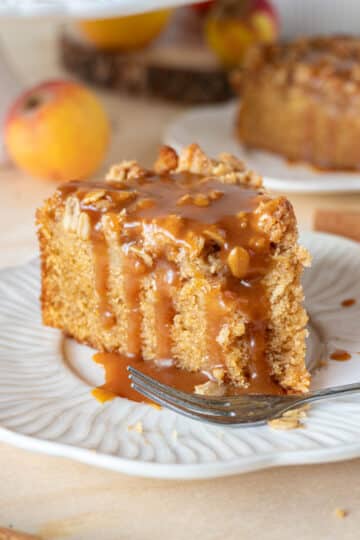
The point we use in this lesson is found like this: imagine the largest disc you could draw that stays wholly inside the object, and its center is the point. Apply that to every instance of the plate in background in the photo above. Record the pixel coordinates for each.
(46, 405)
(212, 127)
(86, 9)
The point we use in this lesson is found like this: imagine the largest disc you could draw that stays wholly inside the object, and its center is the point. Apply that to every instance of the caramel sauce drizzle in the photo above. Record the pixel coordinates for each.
(133, 270)
(100, 250)
(179, 208)
(215, 311)
(340, 355)
(348, 302)
(166, 277)
(117, 382)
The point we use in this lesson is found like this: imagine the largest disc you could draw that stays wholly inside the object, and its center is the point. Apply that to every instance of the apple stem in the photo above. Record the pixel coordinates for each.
(32, 103)
(233, 8)
(10, 87)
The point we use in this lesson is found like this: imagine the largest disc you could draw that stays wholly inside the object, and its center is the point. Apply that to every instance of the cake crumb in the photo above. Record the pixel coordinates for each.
(155, 406)
(284, 423)
(290, 419)
(219, 374)
(348, 302)
(174, 435)
(210, 388)
(138, 427)
(340, 513)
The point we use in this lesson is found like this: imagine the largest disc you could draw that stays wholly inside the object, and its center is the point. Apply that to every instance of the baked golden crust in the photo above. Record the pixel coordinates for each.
(227, 168)
(302, 100)
(192, 260)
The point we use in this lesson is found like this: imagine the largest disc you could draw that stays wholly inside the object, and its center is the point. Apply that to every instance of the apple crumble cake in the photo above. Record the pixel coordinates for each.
(191, 265)
(302, 100)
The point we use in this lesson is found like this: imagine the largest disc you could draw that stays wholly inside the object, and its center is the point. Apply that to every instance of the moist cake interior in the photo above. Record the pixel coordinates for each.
(190, 271)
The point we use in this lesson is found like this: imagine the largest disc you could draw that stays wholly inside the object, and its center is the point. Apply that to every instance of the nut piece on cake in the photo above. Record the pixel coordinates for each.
(192, 262)
(302, 100)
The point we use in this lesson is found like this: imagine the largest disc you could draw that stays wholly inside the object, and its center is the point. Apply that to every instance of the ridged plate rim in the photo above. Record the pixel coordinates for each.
(324, 443)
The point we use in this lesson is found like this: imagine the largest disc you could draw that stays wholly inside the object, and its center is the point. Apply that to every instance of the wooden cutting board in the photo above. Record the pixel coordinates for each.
(178, 67)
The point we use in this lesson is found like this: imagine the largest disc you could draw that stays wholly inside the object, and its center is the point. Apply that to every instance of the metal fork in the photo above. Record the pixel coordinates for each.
(243, 410)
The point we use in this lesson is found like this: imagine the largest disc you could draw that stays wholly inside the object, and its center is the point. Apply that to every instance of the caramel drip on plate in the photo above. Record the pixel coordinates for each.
(181, 213)
(348, 302)
(117, 382)
(340, 355)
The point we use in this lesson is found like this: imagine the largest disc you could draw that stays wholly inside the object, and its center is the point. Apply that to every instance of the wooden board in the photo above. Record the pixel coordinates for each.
(180, 72)
(338, 222)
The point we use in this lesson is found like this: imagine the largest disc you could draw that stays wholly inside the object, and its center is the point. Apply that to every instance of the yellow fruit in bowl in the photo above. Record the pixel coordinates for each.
(125, 33)
(57, 130)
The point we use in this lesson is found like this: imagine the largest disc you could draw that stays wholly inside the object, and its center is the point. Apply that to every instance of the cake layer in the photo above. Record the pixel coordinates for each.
(302, 100)
(192, 263)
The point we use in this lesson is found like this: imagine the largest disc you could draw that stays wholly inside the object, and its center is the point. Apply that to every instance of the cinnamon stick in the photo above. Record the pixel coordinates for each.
(338, 222)
(11, 534)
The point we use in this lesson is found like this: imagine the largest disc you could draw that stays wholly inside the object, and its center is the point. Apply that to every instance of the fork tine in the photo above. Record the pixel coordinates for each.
(236, 410)
(210, 402)
(179, 402)
(219, 420)
(214, 401)
(163, 402)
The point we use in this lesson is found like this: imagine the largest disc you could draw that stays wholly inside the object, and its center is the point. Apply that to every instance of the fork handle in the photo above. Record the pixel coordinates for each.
(330, 393)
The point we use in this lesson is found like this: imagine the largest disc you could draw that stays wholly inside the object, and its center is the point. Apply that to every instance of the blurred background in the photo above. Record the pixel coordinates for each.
(307, 17)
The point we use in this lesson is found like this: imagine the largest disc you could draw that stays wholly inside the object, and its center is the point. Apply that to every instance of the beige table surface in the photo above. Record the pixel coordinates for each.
(61, 499)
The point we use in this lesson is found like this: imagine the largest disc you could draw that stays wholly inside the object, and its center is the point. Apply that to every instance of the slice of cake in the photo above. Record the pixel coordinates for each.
(191, 263)
(302, 100)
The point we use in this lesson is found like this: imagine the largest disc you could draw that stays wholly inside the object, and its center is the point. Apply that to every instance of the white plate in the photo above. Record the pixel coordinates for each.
(213, 128)
(83, 8)
(46, 405)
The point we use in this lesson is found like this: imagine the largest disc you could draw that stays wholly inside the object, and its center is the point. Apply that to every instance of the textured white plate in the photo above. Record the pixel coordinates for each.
(213, 128)
(83, 8)
(45, 401)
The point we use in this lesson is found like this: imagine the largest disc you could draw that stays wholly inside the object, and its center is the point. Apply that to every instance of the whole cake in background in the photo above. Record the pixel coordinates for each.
(302, 100)
(191, 264)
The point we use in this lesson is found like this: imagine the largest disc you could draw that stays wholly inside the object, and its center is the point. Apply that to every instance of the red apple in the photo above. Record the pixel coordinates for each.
(232, 26)
(202, 7)
(57, 130)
